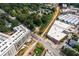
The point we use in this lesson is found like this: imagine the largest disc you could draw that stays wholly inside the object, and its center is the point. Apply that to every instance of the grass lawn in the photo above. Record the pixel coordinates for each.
(39, 49)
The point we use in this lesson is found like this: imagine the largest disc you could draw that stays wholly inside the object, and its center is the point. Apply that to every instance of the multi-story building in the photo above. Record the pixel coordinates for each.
(11, 44)
(57, 31)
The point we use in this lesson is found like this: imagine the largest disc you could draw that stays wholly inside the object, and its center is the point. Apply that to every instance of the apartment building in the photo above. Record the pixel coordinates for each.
(10, 44)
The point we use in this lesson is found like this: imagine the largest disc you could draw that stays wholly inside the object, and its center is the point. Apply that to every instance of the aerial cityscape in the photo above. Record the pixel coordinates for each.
(39, 29)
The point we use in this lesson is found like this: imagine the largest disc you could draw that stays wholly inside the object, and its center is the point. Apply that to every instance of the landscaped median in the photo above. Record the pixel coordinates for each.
(39, 50)
(32, 48)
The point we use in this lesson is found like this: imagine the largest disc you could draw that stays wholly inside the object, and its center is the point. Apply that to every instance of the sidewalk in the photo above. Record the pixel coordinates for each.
(53, 20)
(31, 48)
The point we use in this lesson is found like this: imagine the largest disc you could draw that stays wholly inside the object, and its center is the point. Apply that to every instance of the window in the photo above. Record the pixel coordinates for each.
(9, 53)
(0, 46)
(13, 40)
(0, 42)
(1, 39)
(17, 45)
(5, 47)
(5, 42)
(2, 50)
(10, 43)
(12, 36)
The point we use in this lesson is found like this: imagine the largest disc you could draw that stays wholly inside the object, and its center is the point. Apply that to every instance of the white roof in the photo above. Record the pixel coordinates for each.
(74, 20)
(3, 37)
(21, 31)
(57, 29)
(77, 22)
(70, 18)
(62, 24)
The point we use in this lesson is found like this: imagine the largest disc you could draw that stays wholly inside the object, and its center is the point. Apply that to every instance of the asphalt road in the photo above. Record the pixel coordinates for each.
(52, 21)
(53, 51)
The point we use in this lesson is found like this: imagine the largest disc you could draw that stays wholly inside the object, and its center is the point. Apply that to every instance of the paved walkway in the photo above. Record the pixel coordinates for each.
(53, 20)
(53, 51)
(31, 48)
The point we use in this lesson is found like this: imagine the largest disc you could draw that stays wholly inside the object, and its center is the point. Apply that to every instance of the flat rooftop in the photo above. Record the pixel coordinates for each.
(56, 31)
(6, 40)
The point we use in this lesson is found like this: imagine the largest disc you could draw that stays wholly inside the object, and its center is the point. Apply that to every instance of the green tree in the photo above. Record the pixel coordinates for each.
(76, 47)
(14, 23)
(4, 29)
(13, 13)
(69, 52)
(2, 22)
